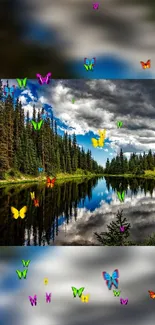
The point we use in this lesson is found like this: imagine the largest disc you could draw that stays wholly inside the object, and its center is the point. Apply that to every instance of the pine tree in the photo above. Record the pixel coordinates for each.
(114, 236)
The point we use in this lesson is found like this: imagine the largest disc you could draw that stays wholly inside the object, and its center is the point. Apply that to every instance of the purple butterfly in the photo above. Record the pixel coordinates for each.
(33, 300)
(124, 301)
(44, 80)
(122, 228)
(48, 297)
(95, 5)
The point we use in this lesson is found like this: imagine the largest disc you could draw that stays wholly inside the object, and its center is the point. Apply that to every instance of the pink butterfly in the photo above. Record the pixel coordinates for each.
(44, 80)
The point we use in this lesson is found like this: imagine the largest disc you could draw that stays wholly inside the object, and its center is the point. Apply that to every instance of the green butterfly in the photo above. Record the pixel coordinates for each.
(77, 292)
(21, 274)
(116, 293)
(121, 196)
(22, 82)
(26, 263)
(119, 124)
(37, 125)
(88, 67)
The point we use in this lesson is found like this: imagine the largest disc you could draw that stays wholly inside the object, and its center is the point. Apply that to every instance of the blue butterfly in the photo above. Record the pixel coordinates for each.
(9, 91)
(40, 169)
(89, 64)
(111, 280)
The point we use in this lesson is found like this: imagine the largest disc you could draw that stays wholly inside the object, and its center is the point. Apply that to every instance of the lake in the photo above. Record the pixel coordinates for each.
(71, 212)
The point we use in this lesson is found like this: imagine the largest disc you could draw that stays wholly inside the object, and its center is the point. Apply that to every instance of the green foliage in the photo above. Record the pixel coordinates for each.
(25, 149)
(136, 165)
(114, 237)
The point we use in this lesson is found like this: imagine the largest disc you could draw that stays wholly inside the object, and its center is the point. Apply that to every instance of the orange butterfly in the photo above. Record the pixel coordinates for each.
(152, 294)
(50, 182)
(36, 202)
(146, 65)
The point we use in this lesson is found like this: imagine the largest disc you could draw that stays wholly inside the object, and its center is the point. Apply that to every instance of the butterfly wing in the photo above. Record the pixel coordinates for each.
(24, 263)
(86, 67)
(80, 291)
(27, 263)
(108, 279)
(19, 82)
(48, 77)
(34, 124)
(148, 64)
(123, 195)
(24, 82)
(152, 294)
(36, 202)
(94, 142)
(75, 291)
(48, 180)
(15, 212)
(22, 212)
(40, 124)
(24, 273)
(115, 277)
(119, 196)
(53, 180)
(19, 273)
(143, 64)
(12, 89)
(40, 78)
(93, 61)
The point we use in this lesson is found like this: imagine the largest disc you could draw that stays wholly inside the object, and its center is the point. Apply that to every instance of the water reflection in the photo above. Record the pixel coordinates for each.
(71, 212)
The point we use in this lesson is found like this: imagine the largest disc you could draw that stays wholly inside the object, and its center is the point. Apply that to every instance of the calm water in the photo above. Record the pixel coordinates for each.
(71, 212)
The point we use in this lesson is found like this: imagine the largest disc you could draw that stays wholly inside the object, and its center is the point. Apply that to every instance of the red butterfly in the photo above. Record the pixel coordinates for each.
(152, 294)
(146, 65)
(36, 202)
(50, 182)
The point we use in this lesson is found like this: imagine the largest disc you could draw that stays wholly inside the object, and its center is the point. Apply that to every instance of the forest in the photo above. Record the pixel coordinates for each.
(136, 164)
(25, 149)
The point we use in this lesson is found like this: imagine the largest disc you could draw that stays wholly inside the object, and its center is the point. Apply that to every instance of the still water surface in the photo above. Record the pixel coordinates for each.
(71, 212)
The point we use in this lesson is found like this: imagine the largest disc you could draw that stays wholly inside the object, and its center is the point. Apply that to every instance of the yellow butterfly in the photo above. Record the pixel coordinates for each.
(32, 195)
(85, 298)
(99, 142)
(21, 213)
(45, 281)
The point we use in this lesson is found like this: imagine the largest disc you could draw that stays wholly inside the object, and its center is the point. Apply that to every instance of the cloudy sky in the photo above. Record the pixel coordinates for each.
(64, 269)
(52, 34)
(99, 104)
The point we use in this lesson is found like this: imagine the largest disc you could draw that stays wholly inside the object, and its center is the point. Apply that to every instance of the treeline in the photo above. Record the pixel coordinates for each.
(25, 149)
(137, 164)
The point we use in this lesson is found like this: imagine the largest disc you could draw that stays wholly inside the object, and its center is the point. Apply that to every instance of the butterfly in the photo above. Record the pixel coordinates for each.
(121, 196)
(111, 280)
(48, 297)
(22, 274)
(44, 80)
(99, 142)
(37, 125)
(45, 281)
(124, 301)
(22, 82)
(119, 124)
(85, 298)
(9, 91)
(50, 182)
(77, 291)
(146, 65)
(89, 64)
(116, 293)
(32, 195)
(40, 169)
(26, 263)
(21, 213)
(33, 300)
(122, 229)
(36, 202)
(95, 5)
(152, 294)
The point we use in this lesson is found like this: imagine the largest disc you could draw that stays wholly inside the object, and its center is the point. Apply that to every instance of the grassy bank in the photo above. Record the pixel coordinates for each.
(15, 177)
(148, 174)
